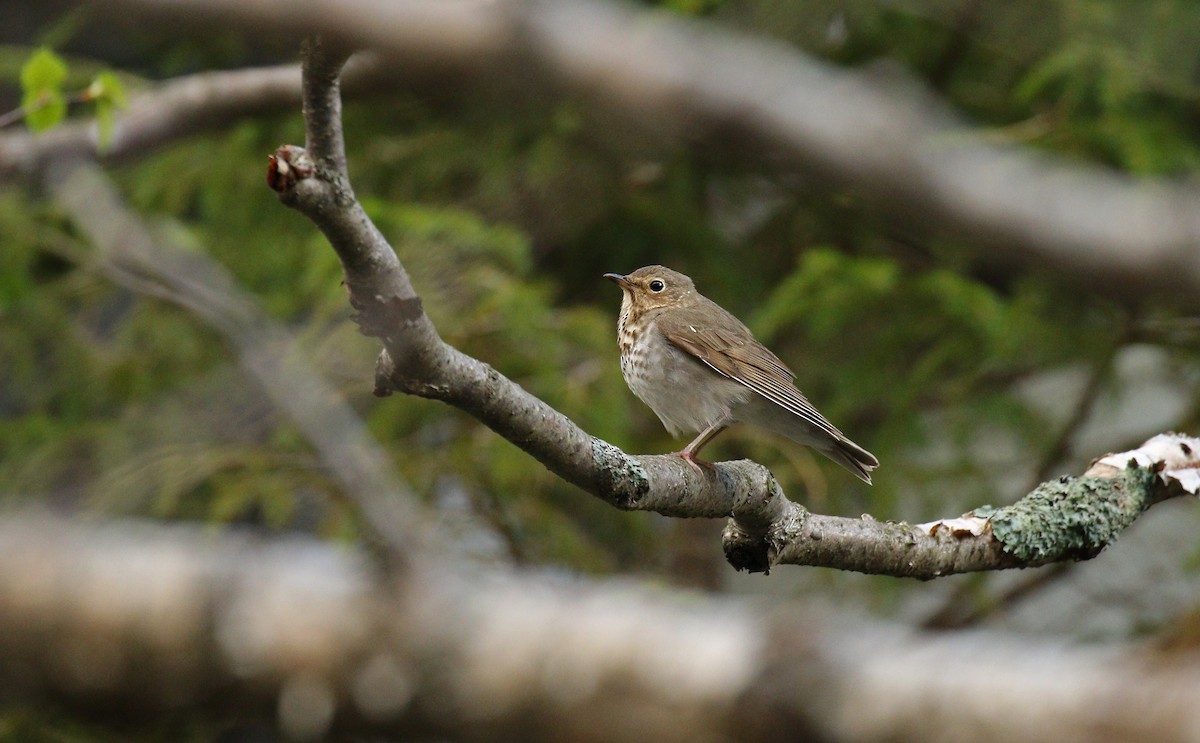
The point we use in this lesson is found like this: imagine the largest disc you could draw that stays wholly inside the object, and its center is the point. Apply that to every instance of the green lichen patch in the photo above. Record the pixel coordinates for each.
(1071, 518)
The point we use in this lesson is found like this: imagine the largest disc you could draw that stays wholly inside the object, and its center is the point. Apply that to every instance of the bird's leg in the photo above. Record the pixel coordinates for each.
(690, 452)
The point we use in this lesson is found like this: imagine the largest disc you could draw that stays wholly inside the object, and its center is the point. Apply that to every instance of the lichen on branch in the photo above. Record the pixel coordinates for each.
(1071, 519)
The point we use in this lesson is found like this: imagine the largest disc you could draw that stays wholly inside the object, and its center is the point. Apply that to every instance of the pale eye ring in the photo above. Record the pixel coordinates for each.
(657, 285)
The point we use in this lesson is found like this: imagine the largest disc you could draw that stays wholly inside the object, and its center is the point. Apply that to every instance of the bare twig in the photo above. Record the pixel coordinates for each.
(20, 113)
(963, 610)
(174, 110)
(1084, 404)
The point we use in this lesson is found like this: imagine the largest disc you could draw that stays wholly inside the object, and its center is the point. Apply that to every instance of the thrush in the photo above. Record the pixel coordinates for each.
(700, 369)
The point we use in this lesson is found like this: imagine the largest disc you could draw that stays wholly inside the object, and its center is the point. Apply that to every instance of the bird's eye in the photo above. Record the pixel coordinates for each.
(657, 286)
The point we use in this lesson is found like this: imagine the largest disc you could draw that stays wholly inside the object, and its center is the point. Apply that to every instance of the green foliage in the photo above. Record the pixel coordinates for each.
(1109, 81)
(42, 97)
(1107, 94)
(694, 7)
(506, 212)
(954, 345)
(108, 96)
(44, 101)
(46, 725)
(687, 7)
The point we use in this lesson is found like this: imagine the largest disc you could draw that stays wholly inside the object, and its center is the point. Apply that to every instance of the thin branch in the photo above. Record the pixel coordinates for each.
(888, 140)
(1084, 404)
(126, 252)
(174, 110)
(20, 113)
(766, 528)
(963, 610)
(322, 94)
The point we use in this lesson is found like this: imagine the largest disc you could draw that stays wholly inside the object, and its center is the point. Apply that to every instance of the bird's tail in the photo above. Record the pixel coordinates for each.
(853, 457)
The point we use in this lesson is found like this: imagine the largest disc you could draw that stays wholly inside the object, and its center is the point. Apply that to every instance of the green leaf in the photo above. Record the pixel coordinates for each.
(44, 71)
(108, 95)
(45, 110)
(107, 88)
(41, 84)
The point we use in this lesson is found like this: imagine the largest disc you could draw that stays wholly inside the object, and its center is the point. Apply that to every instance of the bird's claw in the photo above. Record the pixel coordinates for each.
(699, 465)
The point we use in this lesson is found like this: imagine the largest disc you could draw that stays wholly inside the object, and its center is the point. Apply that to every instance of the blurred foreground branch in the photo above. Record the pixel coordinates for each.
(131, 622)
(888, 140)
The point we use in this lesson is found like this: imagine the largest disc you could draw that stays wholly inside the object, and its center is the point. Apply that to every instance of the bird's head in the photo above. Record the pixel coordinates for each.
(652, 287)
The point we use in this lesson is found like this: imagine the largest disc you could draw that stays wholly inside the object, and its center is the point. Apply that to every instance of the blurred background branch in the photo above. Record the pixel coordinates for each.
(878, 134)
(177, 109)
(125, 252)
(993, 282)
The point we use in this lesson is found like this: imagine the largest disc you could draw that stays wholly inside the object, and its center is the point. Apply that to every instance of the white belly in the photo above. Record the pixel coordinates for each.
(685, 394)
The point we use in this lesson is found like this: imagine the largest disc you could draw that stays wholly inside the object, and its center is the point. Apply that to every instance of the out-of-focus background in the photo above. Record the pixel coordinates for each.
(972, 377)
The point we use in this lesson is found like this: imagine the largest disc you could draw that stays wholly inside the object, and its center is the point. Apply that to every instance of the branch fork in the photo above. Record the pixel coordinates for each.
(1070, 519)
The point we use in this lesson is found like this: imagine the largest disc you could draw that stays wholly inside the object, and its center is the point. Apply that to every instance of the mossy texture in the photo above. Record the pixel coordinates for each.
(1072, 517)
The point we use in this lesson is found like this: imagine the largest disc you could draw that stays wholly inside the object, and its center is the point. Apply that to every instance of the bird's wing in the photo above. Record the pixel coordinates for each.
(721, 341)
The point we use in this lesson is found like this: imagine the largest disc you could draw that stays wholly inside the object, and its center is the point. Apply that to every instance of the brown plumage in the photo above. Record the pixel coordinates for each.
(700, 369)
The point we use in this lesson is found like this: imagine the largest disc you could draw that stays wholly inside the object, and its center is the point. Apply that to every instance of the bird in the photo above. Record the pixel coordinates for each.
(700, 369)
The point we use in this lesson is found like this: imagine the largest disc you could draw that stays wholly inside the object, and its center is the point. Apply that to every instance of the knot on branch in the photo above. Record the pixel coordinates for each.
(746, 551)
(388, 379)
(763, 521)
(288, 166)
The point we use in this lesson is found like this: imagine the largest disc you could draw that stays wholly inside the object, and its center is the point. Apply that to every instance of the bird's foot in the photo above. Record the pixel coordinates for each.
(699, 465)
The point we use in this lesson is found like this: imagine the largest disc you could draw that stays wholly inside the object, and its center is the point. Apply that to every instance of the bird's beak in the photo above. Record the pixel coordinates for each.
(618, 279)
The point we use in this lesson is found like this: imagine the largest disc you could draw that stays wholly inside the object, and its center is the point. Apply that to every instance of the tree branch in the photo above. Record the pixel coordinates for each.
(132, 622)
(885, 139)
(176, 109)
(766, 528)
(127, 252)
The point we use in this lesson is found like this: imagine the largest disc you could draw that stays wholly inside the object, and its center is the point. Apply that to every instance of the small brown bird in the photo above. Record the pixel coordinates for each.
(700, 369)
